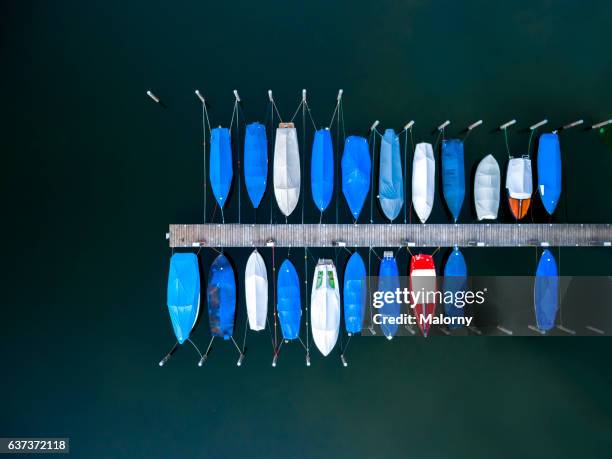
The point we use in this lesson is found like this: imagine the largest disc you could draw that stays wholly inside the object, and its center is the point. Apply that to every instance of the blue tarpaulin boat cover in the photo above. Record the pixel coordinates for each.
(356, 168)
(388, 281)
(390, 176)
(322, 169)
(354, 293)
(221, 171)
(221, 295)
(549, 171)
(289, 305)
(546, 291)
(453, 175)
(255, 162)
(455, 280)
(183, 294)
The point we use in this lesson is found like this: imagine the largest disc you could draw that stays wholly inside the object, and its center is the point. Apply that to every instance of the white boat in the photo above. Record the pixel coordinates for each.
(487, 183)
(423, 180)
(286, 168)
(256, 291)
(325, 306)
(519, 183)
(519, 180)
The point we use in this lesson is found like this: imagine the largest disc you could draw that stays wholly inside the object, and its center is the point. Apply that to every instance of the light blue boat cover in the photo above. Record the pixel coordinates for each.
(546, 291)
(354, 293)
(183, 293)
(221, 295)
(549, 171)
(289, 305)
(388, 281)
(453, 175)
(322, 169)
(390, 176)
(455, 280)
(221, 171)
(356, 168)
(255, 162)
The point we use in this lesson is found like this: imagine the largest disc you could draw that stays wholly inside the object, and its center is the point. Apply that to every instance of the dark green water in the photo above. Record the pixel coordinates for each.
(93, 173)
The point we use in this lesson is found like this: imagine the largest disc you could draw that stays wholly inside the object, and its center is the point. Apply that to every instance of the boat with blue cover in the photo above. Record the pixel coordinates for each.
(549, 171)
(322, 169)
(221, 296)
(455, 280)
(255, 162)
(453, 175)
(388, 281)
(356, 167)
(390, 176)
(354, 292)
(288, 303)
(221, 164)
(546, 291)
(183, 294)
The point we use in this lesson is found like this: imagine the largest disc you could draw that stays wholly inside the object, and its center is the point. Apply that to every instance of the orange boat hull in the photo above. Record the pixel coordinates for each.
(519, 207)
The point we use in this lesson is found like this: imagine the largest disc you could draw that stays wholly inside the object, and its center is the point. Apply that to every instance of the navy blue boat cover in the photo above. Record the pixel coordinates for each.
(221, 295)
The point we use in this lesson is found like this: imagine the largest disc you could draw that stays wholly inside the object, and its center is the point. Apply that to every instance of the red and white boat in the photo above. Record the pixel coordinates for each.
(423, 285)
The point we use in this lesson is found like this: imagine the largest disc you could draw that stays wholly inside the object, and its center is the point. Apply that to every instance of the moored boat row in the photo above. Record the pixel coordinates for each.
(328, 308)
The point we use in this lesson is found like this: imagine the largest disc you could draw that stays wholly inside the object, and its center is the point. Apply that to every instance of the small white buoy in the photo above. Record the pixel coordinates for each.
(344, 362)
(153, 96)
(240, 359)
(200, 96)
(537, 125)
(374, 124)
(389, 337)
(536, 329)
(340, 92)
(270, 95)
(409, 125)
(574, 124)
(308, 359)
(443, 125)
(566, 330)
(474, 125)
(202, 360)
(507, 125)
(602, 124)
(303, 95)
(274, 360)
(236, 95)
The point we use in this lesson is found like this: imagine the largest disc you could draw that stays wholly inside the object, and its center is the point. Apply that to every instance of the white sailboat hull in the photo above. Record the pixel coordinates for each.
(423, 180)
(256, 291)
(519, 179)
(325, 307)
(286, 170)
(487, 183)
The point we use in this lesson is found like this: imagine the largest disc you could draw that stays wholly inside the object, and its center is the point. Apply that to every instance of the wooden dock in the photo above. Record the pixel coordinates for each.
(391, 235)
